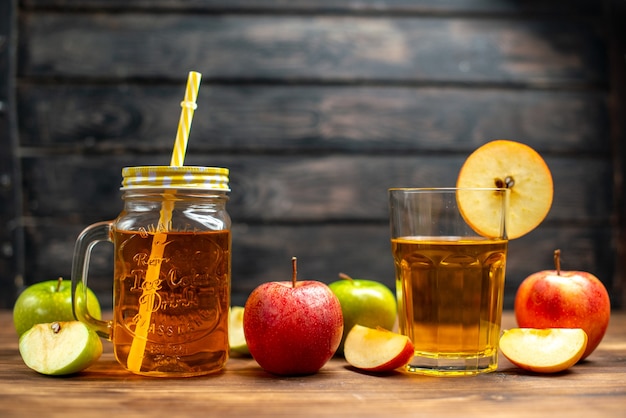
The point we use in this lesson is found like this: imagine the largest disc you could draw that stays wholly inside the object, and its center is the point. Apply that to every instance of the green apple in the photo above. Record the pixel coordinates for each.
(49, 301)
(364, 302)
(236, 337)
(60, 348)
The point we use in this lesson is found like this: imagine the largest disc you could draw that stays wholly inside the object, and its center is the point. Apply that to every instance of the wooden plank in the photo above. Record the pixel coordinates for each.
(143, 118)
(112, 46)
(263, 252)
(329, 6)
(294, 188)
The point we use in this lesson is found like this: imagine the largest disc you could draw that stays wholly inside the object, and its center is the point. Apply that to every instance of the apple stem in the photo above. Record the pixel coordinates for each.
(59, 282)
(557, 261)
(294, 269)
(345, 276)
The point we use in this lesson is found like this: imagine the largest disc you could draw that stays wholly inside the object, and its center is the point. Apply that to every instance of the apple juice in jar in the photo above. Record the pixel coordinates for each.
(451, 291)
(188, 328)
(172, 266)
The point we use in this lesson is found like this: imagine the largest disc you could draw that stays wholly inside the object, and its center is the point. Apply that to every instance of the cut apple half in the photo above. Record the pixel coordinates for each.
(547, 350)
(377, 349)
(236, 337)
(516, 166)
(60, 348)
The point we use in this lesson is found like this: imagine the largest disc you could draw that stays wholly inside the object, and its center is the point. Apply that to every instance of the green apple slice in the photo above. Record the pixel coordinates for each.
(60, 348)
(236, 337)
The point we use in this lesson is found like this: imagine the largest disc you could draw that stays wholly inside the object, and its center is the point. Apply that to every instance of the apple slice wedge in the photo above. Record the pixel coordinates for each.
(377, 349)
(546, 350)
(236, 337)
(60, 348)
(510, 164)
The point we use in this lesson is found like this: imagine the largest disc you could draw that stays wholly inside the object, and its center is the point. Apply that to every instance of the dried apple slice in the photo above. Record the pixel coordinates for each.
(547, 350)
(60, 348)
(504, 163)
(376, 349)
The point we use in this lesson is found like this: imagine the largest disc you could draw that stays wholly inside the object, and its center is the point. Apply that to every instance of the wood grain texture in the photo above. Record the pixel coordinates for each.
(326, 6)
(592, 388)
(278, 119)
(295, 49)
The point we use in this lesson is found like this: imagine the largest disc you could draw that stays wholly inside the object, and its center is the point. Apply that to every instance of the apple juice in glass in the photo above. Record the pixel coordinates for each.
(172, 266)
(449, 277)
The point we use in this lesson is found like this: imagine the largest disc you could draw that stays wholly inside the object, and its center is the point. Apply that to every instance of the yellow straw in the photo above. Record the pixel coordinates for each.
(152, 282)
(186, 115)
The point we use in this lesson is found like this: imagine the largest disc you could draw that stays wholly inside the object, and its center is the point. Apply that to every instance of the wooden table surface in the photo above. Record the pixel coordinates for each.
(595, 387)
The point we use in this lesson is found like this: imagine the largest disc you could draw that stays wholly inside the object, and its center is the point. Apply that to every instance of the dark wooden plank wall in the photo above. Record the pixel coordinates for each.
(10, 201)
(617, 99)
(317, 107)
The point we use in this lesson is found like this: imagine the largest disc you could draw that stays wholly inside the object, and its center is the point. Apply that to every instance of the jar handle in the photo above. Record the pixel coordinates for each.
(85, 242)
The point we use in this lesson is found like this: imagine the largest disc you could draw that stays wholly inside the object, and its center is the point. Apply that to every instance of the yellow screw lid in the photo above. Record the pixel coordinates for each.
(173, 177)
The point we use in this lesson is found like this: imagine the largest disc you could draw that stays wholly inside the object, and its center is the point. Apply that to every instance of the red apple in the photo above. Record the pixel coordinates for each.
(377, 349)
(564, 299)
(292, 328)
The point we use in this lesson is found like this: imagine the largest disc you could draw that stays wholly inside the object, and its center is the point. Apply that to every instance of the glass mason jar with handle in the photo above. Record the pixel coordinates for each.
(172, 267)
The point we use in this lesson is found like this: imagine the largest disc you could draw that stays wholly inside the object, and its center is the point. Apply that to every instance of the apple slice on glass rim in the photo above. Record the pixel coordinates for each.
(516, 166)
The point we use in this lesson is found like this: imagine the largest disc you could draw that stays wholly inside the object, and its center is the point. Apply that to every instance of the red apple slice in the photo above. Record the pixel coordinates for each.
(377, 350)
(547, 350)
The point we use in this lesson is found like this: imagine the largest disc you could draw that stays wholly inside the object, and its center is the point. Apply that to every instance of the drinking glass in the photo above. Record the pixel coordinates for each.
(450, 276)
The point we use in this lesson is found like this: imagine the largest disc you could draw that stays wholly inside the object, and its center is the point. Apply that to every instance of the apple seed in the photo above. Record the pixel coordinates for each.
(508, 182)
(56, 327)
